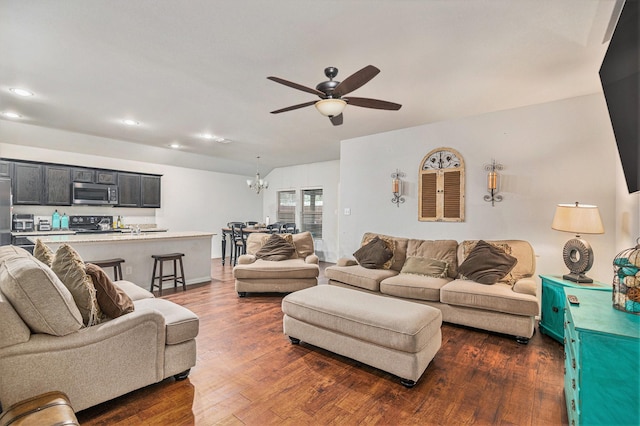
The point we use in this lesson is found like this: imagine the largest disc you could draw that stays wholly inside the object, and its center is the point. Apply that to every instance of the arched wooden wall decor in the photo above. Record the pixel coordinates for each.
(441, 186)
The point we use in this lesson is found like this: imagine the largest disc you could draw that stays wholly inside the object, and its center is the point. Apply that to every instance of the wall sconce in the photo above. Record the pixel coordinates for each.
(492, 182)
(397, 187)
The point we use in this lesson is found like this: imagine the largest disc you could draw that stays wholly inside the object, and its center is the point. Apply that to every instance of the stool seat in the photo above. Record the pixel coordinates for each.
(159, 259)
(108, 263)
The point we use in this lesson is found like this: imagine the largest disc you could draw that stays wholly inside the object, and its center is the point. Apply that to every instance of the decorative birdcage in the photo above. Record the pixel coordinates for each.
(626, 280)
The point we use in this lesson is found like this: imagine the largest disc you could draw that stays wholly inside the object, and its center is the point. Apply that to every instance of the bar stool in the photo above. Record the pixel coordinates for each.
(115, 263)
(161, 258)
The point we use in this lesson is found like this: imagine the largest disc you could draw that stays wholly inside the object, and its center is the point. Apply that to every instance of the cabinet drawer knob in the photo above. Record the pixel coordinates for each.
(555, 309)
(573, 405)
(573, 383)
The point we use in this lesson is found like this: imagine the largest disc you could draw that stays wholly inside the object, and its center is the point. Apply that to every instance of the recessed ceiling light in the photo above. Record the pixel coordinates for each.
(130, 122)
(208, 136)
(11, 115)
(175, 145)
(21, 92)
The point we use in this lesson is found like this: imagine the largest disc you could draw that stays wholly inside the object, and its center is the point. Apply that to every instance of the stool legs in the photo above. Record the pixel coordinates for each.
(161, 277)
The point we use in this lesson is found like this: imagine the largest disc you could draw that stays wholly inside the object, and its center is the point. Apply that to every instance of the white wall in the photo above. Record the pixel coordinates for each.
(325, 175)
(192, 200)
(558, 152)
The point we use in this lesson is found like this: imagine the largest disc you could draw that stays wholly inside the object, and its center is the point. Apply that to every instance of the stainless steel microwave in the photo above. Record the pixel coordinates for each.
(94, 194)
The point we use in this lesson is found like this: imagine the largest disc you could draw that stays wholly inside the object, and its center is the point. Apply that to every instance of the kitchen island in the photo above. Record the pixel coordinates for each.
(136, 250)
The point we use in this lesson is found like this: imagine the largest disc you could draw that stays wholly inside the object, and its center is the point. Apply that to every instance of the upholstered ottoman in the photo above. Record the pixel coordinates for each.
(396, 336)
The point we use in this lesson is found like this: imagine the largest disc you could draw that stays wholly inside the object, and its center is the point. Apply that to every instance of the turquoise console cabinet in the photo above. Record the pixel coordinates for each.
(553, 303)
(602, 361)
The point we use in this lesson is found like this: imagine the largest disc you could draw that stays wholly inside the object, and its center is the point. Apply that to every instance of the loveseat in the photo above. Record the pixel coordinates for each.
(276, 271)
(508, 306)
(45, 345)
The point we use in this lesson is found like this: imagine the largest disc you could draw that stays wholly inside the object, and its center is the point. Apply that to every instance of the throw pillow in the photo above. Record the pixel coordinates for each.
(468, 245)
(112, 300)
(287, 237)
(38, 296)
(43, 253)
(275, 249)
(69, 267)
(374, 254)
(424, 266)
(487, 264)
(388, 241)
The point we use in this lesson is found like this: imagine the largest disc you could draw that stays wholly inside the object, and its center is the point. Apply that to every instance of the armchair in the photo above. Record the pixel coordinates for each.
(253, 275)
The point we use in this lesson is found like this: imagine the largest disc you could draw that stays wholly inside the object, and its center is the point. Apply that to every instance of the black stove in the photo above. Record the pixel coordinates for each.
(90, 224)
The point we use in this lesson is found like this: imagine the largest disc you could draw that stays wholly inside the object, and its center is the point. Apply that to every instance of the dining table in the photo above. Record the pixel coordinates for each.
(226, 231)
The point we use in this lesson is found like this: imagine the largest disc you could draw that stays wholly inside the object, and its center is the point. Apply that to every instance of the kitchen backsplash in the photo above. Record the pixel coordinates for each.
(128, 215)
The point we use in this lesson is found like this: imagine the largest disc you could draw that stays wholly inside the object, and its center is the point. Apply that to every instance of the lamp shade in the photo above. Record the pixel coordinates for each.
(577, 219)
(331, 107)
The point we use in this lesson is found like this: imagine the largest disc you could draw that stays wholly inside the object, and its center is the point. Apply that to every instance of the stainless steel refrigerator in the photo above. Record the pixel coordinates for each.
(5, 212)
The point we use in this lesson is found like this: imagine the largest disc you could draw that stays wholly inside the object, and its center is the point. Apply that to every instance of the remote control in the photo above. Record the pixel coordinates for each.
(573, 299)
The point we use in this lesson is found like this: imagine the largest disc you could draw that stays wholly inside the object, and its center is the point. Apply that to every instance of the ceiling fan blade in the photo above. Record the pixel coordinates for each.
(355, 80)
(373, 103)
(336, 120)
(292, 107)
(297, 86)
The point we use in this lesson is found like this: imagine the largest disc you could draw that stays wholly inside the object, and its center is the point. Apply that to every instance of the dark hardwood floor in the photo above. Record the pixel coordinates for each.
(248, 373)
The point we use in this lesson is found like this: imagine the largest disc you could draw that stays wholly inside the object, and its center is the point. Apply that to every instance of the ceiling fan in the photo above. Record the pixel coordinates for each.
(331, 93)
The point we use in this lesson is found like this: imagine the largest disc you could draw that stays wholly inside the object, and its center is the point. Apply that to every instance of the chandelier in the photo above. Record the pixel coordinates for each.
(257, 184)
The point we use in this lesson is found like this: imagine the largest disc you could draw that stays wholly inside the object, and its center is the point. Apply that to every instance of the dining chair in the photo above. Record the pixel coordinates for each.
(275, 227)
(238, 242)
(289, 228)
(251, 223)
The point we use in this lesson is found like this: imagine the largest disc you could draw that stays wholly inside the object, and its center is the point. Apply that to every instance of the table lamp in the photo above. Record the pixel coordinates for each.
(577, 253)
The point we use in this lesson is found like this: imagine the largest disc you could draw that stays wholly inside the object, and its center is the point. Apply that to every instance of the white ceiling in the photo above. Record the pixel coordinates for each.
(183, 68)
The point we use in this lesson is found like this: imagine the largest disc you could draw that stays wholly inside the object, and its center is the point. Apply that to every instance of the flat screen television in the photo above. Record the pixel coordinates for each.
(620, 77)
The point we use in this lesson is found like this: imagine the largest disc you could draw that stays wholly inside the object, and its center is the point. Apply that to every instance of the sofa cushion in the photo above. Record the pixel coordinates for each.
(181, 324)
(13, 329)
(69, 267)
(499, 297)
(289, 268)
(444, 250)
(487, 264)
(425, 266)
(43, 253)
(39, 297)
(113, 301)
(412, 286)
(358, 276)
(276, 248)
(134, 291)
(374, 254)
(304, 244)
(399, 249)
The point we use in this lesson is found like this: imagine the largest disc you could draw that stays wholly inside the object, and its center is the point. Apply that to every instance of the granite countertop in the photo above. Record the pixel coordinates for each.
(31, 233)
(116, 237)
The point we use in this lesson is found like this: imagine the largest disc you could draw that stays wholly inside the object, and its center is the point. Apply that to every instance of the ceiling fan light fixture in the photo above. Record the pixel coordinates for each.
(330, 107)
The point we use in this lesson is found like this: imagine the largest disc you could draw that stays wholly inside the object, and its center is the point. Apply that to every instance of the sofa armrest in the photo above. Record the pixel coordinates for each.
(526, 286)
(346, 262)
(312, 258)
(246, 259)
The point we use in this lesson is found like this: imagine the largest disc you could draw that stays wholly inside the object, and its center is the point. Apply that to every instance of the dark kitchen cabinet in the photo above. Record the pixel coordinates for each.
(128, 190)
(107, 177)
(57, 185)
(26, 183)
(150, 186)
(83, 175)
(5, 169)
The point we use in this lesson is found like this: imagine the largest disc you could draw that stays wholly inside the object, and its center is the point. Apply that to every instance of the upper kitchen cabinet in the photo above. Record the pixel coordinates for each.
(83, 175)
(128, 190)
(57, 185)
(5, 168)
(108, 177)
(150, 186)
(27, 183)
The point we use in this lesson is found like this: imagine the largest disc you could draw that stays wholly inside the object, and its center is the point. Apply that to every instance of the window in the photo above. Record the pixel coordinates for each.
(442, 186)
(286, 206)
(311, 215)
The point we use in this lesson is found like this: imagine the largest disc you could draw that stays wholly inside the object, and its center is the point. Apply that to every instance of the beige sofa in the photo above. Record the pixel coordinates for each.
(509, 306)
(253, 275)
(44, 345)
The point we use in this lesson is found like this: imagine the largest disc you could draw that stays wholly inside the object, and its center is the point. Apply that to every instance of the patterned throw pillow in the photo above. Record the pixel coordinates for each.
(69, 267)
(275, 249)
(467, 246)
(43, 253)
(389, 242)
(487, 264)
(374, 254)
